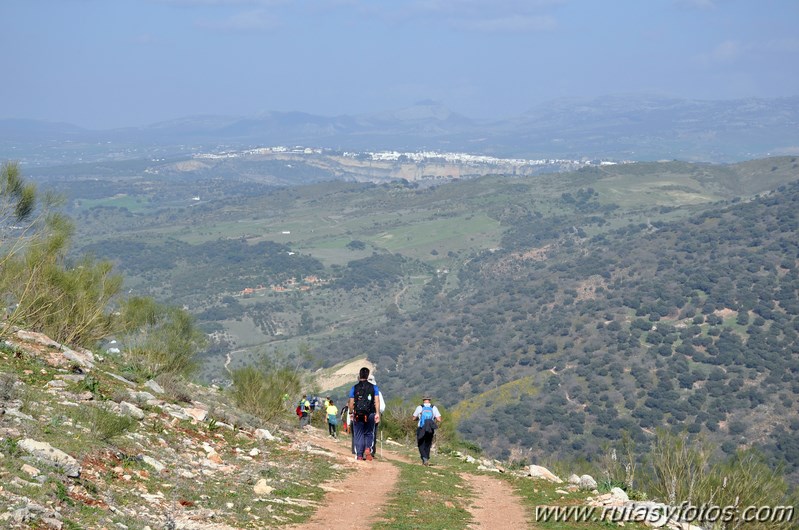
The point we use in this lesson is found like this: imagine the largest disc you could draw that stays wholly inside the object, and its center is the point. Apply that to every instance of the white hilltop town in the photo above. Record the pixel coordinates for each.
(410, 157)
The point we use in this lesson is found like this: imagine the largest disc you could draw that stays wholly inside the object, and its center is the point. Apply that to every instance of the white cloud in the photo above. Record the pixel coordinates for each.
(480, 8)
(697, 4)
(254, 20)
(464, 15)
(145, 39)
(785, 45)
(471, 15)
(731, 51)
(203, 3)
(724, 53)
(508, 23)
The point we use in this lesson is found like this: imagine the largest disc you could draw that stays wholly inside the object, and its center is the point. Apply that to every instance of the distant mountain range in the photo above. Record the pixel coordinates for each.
(634, 127)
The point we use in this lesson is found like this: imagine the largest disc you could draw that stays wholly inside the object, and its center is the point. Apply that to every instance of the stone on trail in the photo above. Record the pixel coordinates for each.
(543, 473)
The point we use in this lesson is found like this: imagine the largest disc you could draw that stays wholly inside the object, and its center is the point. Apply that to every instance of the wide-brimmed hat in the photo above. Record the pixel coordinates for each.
(371, 379)
(427, 398)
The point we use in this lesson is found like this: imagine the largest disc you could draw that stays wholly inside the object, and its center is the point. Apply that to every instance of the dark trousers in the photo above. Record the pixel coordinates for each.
(374, 438)
(331, 428)
(425, 443)
(363, 433)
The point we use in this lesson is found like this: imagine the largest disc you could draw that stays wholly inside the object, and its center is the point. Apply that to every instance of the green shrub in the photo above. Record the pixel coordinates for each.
(681, 470)
(745, 479)
(604, 486)
(11, 349)
(10, 447)
(397, 421)
(471, 447)
(60, 492)
(175, 388)
(105, 425)
(618, 466)
(91, 384)
(677, 467)
(564, 466)
(119, 395)
(259, 390)
(159, 339)
(69, 304)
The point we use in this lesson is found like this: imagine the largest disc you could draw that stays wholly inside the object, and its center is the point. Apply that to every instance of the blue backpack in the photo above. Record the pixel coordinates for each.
(426, 414)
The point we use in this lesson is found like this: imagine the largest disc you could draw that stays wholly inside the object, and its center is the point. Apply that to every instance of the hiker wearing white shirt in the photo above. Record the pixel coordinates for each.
(382, 408)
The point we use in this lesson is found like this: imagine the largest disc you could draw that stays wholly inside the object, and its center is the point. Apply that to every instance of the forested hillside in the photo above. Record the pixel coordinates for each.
(551, 313)
(559, 343)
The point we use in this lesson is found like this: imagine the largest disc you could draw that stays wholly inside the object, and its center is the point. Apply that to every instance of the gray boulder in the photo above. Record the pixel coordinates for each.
(155, 387)
(587, 482)
(263, 434)
(48, 454)
(543, 473)
(129, 409)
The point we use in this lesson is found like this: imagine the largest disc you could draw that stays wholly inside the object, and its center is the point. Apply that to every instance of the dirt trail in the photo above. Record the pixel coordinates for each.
(342, 507)
(495, 505)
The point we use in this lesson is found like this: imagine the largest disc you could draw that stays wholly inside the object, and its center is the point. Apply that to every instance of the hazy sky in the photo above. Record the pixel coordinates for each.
(111, 63)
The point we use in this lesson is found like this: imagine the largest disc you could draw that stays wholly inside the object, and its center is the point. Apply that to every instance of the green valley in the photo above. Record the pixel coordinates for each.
(615, 298)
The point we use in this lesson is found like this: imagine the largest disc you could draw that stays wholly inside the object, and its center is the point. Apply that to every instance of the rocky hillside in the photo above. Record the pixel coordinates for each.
(81, 446)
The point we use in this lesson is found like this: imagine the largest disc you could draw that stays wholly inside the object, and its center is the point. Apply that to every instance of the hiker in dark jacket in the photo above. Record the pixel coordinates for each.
(429, 418)
(364, 406)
